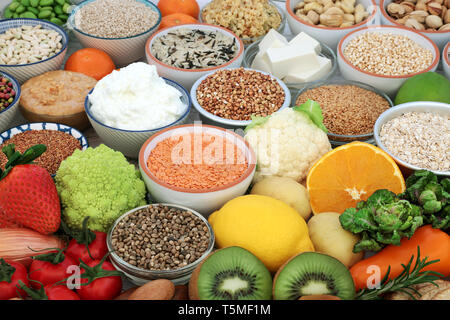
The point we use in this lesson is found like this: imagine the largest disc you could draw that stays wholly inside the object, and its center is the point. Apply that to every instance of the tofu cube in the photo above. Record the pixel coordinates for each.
(303, 39)
(291, 59)
(273, 39)
(260, 62)
(311, 75)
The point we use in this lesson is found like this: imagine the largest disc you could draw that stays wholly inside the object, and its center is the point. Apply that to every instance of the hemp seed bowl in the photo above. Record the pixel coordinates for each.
(187, 52)
(118, 27)
(159, 241)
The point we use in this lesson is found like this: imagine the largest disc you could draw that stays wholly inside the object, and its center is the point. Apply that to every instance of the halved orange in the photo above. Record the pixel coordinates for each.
(349, 174)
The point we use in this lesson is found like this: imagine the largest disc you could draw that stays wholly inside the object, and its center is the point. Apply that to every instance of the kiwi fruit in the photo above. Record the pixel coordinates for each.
(313, 273)
(232, 273)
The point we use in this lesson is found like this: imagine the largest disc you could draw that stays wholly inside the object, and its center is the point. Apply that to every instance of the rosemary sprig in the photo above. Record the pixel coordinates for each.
(404, 281)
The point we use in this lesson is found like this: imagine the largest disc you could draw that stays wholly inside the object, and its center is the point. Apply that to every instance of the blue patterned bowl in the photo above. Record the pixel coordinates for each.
(8, 134)
(23, 72)
(122, 51)
(8, 114)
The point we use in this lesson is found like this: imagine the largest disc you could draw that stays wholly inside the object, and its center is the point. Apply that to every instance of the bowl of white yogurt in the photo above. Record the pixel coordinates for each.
(128, 106)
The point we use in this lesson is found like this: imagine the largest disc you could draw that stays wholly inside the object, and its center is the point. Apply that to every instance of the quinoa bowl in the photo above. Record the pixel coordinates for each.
(206, 113)
(393, 127)
(198, 192)
(359, 60)
(24, 71)
(188, 74)
(123, 43)
(148, 267)
(130, 141)
(349, 108)
(7, 114)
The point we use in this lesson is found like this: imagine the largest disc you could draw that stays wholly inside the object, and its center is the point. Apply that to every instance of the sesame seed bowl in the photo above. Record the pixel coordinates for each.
(140, 273)
(367, 55)
(97, 25)
(424, 145)
(254, 89)
(186, 76)
(347, 106)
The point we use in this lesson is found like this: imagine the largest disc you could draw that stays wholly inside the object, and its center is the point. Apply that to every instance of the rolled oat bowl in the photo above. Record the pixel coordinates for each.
(405, 133)
(386, 56)
(143, 249)
(118, 27)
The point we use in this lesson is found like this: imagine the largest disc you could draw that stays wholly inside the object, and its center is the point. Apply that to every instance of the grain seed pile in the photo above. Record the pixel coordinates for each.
(160, 238)
(115, 18)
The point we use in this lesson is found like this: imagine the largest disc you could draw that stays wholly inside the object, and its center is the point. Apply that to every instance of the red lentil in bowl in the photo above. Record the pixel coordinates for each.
(350, 109)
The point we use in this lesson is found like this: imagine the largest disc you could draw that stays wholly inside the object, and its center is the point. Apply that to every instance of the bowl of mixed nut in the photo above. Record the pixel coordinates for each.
(30, 47)
(405, 133)
(385, 56)
(187, 52)
(230, 98)
(118, 27)
(159, 241)
(9, 99)
(329, 20)
(429, 17)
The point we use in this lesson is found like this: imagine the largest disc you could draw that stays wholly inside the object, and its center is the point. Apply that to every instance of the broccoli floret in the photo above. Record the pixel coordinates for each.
(99, 183)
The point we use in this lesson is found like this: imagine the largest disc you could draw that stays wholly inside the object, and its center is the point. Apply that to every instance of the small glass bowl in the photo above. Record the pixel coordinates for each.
(139, 276)
(249, 41)
(340, 139)
(252, 50)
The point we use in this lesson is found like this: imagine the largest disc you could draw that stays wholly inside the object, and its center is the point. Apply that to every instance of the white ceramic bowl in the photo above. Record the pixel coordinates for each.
(187, 77)
(203, 201)
(129, 142)
(398, 110)
(23, 72)
(446, 61)
(387, 84)
(8, 114)
(209, 118)
(439, 37)
(327, 35)
(122, 51)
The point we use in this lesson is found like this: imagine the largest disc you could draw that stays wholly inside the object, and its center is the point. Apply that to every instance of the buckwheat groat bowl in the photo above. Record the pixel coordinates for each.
(118, 27)
(405, 133)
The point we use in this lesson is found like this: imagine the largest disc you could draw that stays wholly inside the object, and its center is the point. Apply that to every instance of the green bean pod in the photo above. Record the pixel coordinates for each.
(34, 3)
(13, 6)
(44, 14)
(66, 8)
(34, 10)
(20, 9)
(25, 3)
(44, 3)
(58, 9)
(63, 17)
(28, 14)
(60, 2)
(8, 13)
(57, 21)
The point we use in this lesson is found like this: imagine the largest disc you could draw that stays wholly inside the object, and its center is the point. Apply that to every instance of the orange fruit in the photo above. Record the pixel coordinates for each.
(349, 174)
(189, 7)
(91, 62)
(176, 19)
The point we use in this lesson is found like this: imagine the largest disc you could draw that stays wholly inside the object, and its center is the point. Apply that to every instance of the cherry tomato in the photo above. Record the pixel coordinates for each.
(60, 292)
(97, 248)
(10, 274)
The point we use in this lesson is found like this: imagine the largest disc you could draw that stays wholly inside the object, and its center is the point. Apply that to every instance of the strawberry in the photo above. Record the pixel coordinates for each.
(28, 196)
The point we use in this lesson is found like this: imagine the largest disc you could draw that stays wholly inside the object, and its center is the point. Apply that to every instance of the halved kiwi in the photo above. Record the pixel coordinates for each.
(313, 273)
(232, 273)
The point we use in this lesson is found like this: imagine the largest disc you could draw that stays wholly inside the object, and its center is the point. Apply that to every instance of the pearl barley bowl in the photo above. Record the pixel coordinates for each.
(120, 30)
(187, 75)
(384, 56)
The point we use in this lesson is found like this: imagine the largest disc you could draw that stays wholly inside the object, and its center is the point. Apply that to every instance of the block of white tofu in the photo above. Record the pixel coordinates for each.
(303, 39)
(311, 75)
(260, 62)
(273, 39)
(291, 59)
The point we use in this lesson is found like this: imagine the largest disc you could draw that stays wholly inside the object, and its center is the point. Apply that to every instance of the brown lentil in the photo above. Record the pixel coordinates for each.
(160, 238)
(238, 93)
(419, 138)
(59, 144)
(387, 54)
(115, 18)
(347, 109)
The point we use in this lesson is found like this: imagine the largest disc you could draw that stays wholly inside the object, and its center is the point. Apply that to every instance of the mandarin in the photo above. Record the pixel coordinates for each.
(91, 62)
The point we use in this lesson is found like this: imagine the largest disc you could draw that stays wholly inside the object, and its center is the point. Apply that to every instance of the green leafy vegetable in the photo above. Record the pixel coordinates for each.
(424, 189)
(256, 121)
(314, 112)
(381, 220)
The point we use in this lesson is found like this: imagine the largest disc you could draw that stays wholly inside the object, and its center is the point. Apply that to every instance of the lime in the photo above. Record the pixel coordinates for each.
(428, 86)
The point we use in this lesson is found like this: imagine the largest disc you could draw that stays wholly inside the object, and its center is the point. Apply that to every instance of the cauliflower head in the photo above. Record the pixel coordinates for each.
(287, 144)
(99, 183)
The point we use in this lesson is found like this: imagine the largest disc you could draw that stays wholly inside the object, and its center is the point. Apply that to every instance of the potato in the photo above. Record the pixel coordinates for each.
(287, 190)
(330, 238)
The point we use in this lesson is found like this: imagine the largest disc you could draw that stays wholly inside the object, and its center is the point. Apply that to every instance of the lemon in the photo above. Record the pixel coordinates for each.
(269, 228)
